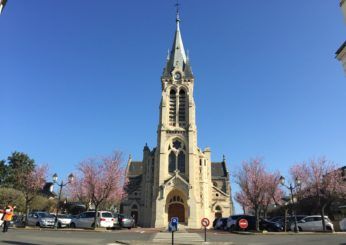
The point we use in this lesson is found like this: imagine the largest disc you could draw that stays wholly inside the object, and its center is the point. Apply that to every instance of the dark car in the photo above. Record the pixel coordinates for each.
(270, 226)
(263, 224)
(124, 221)
(221, 224)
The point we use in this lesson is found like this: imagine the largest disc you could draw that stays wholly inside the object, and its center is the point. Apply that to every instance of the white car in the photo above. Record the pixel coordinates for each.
(64, 220)
(313, 223)
(343, 224)
(104, 219)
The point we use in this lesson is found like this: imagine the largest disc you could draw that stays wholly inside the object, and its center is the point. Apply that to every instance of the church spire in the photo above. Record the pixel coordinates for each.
(177, 57)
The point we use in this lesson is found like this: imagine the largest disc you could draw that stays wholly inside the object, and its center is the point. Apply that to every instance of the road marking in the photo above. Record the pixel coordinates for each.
(178, 237)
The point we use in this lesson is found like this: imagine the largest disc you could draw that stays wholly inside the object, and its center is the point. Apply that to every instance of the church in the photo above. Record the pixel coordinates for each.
(177, 178)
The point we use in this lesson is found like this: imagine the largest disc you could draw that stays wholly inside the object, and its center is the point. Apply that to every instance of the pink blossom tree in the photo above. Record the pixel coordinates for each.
(33, 183)
(251, 180)
(100, 180)
(272, 194)
(322, 181)
(242, 199)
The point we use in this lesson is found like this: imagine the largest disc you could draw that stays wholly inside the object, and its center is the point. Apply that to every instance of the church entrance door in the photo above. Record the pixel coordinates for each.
(176, 210)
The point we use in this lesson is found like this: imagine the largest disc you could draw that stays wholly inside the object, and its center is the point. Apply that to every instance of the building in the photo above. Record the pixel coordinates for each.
(341, 52)
(176, 178)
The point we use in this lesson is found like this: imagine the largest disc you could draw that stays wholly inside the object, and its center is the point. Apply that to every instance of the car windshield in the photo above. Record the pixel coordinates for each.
(106, 215)
(44, 215)
(63, 216)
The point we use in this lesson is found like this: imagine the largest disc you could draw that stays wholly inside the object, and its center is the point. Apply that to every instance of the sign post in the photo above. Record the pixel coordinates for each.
(205, 223)
(173, 226)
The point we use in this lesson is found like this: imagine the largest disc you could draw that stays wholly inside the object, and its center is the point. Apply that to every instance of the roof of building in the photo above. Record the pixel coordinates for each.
(177, 57)
(340, 49)
(135, 168)
(219, 169)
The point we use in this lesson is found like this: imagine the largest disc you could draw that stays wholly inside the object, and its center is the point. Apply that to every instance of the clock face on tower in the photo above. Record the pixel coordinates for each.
(177, 76)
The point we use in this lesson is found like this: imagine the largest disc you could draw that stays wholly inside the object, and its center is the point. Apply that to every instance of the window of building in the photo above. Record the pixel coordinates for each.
(172, 107)
(171, 163)
(177, 157)
(182, 105)
(181, 162)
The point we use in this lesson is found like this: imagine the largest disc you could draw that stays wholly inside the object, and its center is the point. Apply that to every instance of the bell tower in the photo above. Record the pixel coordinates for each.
(177, 156)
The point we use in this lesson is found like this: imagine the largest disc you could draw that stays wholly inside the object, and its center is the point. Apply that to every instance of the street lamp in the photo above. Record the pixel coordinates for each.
(297, 183)
(61, 185)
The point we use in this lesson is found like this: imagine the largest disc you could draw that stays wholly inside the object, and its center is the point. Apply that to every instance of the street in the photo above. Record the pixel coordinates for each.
(150, 236)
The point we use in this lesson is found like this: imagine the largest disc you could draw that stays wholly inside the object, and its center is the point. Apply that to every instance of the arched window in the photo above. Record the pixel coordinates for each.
(172, 107)
(181, 162)
(218, 208)
(134, 206)
(182, 105)
(171, 163)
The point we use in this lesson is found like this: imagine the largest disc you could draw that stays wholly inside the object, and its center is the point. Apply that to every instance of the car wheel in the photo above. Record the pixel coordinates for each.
(300, 228)
(59, 225)
(73, 225)
(129, 228)
(328, 228)
(38, 224)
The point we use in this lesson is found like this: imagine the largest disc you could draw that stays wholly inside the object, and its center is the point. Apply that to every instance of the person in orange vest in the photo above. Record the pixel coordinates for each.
(8, 217)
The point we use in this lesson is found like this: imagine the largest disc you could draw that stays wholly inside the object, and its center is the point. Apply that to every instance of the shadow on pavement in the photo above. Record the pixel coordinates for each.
(18, 243)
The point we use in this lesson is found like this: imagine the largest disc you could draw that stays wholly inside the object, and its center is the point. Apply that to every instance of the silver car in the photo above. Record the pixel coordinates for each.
(124, 221)
(41, 219)
(313, 223)
(64, 220)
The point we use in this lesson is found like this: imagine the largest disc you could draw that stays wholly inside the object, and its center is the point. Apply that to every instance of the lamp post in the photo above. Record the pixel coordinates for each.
(61, 185)
(292, 188)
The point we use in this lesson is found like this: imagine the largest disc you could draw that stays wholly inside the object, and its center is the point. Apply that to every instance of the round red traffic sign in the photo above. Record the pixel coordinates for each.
(243, 223)
(205, 222)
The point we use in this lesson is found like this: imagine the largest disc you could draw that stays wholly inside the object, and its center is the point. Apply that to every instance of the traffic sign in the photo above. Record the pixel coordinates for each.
(205, 222)
(174, 220)
(243, 223)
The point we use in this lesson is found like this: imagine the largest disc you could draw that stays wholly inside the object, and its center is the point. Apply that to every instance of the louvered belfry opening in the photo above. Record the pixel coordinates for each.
(172, 107)
(182, 104)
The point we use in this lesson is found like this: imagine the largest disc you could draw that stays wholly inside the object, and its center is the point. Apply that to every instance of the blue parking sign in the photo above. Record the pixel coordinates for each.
(174, 220)
(173, 226)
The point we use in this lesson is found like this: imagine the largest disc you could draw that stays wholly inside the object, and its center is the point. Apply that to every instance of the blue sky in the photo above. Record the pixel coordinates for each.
(82, 78)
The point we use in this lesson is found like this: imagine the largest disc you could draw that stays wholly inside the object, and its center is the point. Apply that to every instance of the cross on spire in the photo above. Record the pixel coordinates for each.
(177, 5)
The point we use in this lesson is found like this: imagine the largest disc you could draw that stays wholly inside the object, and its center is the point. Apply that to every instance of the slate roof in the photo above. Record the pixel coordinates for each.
(135, 169)
(177, 58)
(219, 169)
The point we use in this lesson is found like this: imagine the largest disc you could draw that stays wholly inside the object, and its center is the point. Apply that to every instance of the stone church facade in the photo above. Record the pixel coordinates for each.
(177, 178)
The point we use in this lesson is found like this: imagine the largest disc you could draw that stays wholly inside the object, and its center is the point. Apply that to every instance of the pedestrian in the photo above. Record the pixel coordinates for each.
(8, 217)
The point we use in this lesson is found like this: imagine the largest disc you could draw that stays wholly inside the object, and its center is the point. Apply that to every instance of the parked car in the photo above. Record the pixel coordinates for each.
(41, 219)
(276, 218)
(263, 224)
(86, 220)
(313, 223)
(289, 221)
(231, 222)
(270, 226)
(221, 224)
(64, 220)
(343, 224)
(124, 221)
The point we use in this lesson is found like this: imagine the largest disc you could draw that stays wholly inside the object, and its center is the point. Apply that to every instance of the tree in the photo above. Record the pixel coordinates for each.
(100, 180)
(19, 166)
(13, 197)
(32, 184)
(242, 199)
(272, 193)
(251, 180)
(322, 181)
(3, 170)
